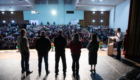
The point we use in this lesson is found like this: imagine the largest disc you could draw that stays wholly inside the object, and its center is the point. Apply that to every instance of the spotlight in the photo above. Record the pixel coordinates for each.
(4, 21)
(94, 12)
(13, 21)
(2, 12)
(93, 20)
(102, 12)
(101, 21)
(12, 12)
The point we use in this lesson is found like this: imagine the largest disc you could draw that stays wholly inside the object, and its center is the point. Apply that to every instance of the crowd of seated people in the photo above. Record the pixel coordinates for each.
(9, 34)
(102, 31)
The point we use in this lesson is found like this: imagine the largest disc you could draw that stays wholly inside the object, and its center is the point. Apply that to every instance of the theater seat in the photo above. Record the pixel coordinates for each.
(130, 76)
(121, 78)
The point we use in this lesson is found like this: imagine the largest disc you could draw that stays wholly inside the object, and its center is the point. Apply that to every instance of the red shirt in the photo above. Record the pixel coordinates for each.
(75, 48)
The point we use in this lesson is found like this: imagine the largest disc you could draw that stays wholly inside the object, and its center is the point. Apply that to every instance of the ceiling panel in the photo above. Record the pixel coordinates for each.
(52, 1)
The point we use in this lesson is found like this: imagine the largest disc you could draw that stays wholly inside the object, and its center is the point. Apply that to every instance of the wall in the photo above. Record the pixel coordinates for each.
(61, 17)
(89, 16)
(8, 17)
(121, 12)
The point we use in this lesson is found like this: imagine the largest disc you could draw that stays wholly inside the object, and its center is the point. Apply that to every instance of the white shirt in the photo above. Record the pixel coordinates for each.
(119, 37)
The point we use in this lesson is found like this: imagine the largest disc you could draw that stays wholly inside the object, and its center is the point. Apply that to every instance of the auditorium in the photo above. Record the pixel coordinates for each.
(69, 40)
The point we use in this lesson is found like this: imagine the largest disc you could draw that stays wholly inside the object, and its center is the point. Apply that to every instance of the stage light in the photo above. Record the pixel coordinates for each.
(4, 21)
(93, 20)
(102, 12)
(54, 12)
(13, 21)
(93, 12)
(12, 12)
(102, 21)
(2, 12)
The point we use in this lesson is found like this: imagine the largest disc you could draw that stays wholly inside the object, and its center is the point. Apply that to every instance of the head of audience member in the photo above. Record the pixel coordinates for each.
(60, 33)
(94, 38)
(75, 38)
(43, 33)
(23, 32)
(118, 30)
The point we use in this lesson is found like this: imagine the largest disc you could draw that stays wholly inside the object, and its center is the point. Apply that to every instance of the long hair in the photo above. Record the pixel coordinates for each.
(75, 38)
(94, 38)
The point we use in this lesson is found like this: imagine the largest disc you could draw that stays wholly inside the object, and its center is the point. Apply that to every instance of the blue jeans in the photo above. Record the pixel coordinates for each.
(118, 50)
(40, 62)
(25, 61)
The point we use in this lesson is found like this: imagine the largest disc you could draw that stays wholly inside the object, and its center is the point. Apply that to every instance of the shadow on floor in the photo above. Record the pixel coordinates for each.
(96, 76)
(127, 62)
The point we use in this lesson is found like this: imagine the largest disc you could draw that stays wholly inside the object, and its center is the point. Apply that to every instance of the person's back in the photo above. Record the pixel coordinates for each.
(43, 45)
(60, 43)
(23, 44)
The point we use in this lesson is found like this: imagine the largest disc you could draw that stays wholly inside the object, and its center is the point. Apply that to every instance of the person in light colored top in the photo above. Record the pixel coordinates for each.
(23, 46)
(119, 38)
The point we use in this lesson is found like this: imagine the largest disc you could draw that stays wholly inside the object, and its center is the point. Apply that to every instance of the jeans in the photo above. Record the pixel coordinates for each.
(57, 57)
(118, 50)
(25, 61)
(40, 63)
(75, 58)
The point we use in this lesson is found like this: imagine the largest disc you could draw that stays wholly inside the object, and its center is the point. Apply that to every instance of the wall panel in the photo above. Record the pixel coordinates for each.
(8, 17)
(89, 16)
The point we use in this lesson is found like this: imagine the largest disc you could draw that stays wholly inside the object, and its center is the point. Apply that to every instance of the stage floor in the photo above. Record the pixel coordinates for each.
(107, 67)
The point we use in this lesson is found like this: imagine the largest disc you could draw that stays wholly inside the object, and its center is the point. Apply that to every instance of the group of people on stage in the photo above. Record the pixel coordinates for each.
(43, 46)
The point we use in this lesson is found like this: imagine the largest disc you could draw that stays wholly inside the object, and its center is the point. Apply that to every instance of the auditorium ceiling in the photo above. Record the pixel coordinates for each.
(16, 5)
(96, 5)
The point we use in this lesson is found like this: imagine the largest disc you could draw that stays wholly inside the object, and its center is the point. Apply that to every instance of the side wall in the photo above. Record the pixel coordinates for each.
(121, 16)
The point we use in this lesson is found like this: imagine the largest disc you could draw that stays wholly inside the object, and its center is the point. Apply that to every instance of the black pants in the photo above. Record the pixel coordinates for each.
(118, 50)
(40, 63)
(75, 58)
(57, 57)
(25, 61)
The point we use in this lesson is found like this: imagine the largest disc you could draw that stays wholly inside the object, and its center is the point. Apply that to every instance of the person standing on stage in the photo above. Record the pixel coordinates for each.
(119, 38)
(75, 47)
(43, 46)
(23, 46)
(60, 44)
(93, 47)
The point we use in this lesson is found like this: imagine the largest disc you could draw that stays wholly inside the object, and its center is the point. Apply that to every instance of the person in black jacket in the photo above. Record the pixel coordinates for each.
(43, 46)
(60, 44)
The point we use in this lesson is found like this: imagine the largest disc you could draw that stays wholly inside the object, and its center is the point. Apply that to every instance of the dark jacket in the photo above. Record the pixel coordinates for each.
(43, 45)
(60, 44)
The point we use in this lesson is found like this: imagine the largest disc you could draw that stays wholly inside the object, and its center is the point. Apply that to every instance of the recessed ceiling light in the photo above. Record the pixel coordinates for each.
(83, 1)
(106, 1)
(11, 1)
(92, 0)
(93, 20)
(102, 12)
(12, 12)
(100, 0)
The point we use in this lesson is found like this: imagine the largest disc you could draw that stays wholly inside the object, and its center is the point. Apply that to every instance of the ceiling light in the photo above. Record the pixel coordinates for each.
(100, 0)
(2, 12)
(13, 21)
(54, 12)
(4, 21)
(93, 20)
(12, 12)
(101, 21)
(11, 1)
(93, 12)
(102, 12)
(106, 1)
(92, 0)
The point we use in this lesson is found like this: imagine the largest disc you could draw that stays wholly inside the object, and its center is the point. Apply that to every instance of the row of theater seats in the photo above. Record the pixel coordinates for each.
(133, 74)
